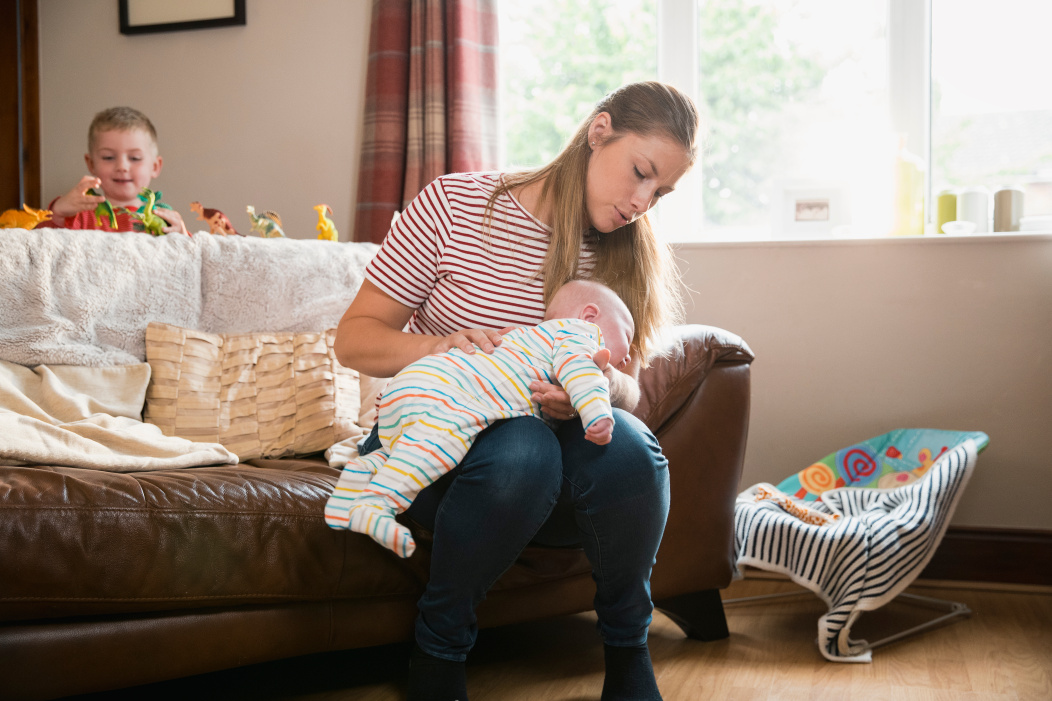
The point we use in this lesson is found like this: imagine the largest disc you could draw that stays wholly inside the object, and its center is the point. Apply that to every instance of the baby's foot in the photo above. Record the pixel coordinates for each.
(375, 519)
(354, 478)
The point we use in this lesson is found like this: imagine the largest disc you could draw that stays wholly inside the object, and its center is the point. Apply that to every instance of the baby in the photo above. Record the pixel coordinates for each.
(431, 411)
(123, 159)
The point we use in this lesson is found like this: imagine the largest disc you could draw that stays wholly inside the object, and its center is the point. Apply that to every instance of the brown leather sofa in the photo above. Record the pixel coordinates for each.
(110, 580)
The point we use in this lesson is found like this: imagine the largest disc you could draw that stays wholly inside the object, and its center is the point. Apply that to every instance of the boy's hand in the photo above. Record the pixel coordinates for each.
(600, 432)
(174, 219)
(78, 200)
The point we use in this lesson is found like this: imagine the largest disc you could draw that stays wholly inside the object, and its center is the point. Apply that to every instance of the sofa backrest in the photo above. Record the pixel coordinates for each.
(86, 297)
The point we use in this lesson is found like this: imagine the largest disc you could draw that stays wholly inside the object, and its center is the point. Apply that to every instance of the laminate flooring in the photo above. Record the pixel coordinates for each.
(1001, 652)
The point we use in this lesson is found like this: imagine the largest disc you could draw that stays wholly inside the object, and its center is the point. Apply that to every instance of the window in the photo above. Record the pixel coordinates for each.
(991, 98)
(816, 112)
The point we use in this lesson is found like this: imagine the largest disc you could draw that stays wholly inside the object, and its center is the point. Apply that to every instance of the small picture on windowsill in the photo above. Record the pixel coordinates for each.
(808, 210)
(812, 210)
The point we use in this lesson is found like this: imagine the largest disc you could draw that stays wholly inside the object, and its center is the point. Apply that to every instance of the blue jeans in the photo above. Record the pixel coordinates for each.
(521, 483)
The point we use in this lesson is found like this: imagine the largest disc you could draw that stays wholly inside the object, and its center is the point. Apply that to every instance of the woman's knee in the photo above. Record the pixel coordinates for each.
(519, 455)
(631, 463)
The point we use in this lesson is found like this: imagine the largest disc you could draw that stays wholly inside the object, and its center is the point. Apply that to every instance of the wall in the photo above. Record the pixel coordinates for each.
(853, 338)
(856, 338)
(268, 114)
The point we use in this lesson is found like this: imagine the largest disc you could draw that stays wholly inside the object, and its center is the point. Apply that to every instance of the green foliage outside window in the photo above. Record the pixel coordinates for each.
(561, 56)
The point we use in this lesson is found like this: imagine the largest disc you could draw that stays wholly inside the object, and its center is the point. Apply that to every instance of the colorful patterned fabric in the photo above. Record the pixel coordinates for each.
(431, 412)
(891, 460)
(430, 105)
(878, 538)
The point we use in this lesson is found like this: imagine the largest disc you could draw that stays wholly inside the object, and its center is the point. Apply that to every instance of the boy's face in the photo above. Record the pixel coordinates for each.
(125, 162)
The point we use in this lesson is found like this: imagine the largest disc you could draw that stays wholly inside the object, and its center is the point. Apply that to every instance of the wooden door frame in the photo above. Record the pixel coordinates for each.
(20, 80)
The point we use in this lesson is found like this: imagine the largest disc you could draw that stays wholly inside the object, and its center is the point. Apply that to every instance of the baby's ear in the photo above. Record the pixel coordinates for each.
(590, 312)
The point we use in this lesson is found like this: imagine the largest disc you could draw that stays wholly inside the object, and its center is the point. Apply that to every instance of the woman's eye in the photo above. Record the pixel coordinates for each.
(638, 174)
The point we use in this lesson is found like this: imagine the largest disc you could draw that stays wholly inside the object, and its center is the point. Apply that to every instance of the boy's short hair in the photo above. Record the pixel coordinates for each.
(119, 119)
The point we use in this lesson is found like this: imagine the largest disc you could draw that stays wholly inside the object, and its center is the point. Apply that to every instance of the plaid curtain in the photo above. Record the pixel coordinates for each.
(430, 105)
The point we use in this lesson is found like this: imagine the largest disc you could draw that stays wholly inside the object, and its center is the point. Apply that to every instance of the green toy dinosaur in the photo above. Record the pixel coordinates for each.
(104, 209)
(150, 222)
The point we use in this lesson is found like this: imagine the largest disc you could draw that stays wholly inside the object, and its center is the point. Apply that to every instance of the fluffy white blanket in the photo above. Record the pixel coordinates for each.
(85, 297)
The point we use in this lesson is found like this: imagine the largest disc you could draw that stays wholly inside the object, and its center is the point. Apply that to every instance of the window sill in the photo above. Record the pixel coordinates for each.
(929, 239)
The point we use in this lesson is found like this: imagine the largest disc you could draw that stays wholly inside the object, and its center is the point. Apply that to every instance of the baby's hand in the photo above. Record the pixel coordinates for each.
(78, 200)
(174, 219)
(600, 432)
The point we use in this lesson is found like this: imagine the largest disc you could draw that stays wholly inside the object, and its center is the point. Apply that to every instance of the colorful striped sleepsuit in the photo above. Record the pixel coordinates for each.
(431, 411)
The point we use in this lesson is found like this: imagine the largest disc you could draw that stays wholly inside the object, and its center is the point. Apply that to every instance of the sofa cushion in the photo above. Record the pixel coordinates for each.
(258, 394)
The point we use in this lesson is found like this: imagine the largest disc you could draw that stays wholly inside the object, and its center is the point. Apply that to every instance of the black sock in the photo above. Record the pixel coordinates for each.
(435, 679)
(629, 675)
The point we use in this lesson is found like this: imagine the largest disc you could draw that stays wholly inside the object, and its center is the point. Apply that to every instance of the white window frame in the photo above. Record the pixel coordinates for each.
(909, 87)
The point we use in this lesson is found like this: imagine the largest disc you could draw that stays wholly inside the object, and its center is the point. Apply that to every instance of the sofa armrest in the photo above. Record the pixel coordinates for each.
(696, 401)
(690, 354)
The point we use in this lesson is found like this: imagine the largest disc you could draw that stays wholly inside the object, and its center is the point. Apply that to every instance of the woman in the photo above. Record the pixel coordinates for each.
(478, 252)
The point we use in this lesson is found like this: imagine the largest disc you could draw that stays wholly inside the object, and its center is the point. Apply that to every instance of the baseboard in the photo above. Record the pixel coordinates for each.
(1002, 555)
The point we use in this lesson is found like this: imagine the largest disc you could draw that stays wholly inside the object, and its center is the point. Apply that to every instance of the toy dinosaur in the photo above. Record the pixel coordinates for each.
(267, 224)
(217, 221)
(150, 222)
(326, 227)
(104, 209)
(25, 218)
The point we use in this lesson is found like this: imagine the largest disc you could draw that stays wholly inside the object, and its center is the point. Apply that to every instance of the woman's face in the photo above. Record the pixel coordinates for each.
(628, 175)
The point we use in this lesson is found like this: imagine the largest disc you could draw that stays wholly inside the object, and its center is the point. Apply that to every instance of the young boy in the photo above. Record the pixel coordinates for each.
(122, 159)
(429, 414)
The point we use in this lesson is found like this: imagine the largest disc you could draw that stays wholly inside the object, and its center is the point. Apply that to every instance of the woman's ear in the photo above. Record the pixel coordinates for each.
(600, 129)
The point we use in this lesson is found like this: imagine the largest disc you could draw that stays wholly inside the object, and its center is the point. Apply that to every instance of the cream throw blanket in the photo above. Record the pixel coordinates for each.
(89, 418)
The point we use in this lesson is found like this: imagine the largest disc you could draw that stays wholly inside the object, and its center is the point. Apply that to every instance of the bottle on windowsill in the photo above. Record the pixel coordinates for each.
(909, 193)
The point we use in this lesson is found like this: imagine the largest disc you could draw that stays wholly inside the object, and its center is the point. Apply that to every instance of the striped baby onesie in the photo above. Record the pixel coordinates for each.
(430, 413)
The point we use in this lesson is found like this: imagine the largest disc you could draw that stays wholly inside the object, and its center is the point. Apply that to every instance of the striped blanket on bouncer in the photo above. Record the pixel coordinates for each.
(857, 527)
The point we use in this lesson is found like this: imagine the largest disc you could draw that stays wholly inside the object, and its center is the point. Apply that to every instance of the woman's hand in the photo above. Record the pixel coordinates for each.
(468, 339)
(554, 400)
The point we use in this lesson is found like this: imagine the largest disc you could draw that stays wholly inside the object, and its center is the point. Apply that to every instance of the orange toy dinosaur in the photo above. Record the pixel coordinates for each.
(25, 218)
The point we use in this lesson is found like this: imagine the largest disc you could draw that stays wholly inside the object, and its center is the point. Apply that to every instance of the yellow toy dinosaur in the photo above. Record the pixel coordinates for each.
(268, 224)
(326, 227)
(25, 218)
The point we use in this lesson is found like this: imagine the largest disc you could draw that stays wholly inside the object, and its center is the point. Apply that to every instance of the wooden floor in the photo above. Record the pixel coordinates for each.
(1002, 652)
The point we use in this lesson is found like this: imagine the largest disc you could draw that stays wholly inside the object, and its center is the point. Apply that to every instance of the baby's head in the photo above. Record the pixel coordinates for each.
(595, 302)
(122, 153)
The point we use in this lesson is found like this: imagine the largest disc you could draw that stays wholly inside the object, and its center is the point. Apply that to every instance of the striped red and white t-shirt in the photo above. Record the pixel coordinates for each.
(437, 259)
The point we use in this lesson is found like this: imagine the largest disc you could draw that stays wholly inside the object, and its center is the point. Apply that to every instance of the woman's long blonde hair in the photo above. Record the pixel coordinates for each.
(631, 260)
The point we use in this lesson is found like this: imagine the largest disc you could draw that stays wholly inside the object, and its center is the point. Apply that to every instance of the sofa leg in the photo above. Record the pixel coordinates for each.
(699, 614)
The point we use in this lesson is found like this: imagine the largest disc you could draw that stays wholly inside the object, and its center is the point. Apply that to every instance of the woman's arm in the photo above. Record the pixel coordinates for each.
(370, 339)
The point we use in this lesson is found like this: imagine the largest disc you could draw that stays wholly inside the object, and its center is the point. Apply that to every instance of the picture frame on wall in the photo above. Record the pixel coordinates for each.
(151, 16)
